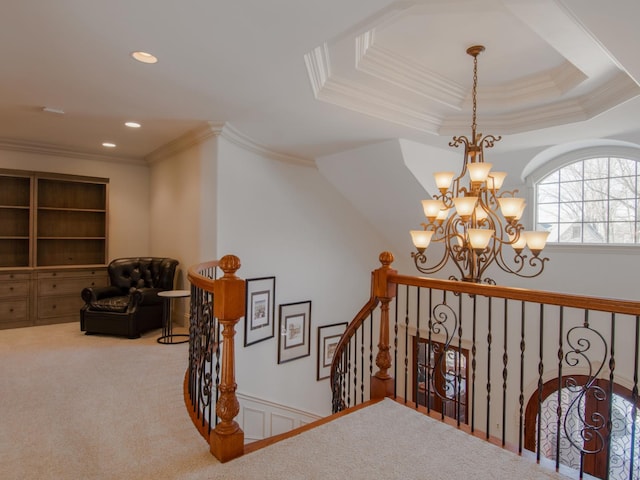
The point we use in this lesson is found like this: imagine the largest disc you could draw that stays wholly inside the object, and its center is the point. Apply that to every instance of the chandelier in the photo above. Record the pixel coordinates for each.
(484, 226)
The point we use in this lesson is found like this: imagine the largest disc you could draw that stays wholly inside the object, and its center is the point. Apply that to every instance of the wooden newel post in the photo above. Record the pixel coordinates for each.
(381, 381)
(227, 439)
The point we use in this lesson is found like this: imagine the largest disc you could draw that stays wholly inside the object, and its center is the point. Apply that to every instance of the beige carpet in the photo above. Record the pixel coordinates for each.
(97, 407)
(94, 407)
(384, 441)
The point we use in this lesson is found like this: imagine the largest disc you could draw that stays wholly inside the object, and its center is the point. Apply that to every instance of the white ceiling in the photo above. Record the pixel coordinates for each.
(311, 78)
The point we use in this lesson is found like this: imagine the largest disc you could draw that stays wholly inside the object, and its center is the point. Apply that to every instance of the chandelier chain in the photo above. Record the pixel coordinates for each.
(474, 94)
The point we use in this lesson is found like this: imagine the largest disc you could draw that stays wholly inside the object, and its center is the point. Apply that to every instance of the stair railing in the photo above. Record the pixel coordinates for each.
(217, 304)
(490, 359)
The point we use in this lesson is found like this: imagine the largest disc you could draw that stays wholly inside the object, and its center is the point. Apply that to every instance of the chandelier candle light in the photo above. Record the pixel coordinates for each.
(484, 220)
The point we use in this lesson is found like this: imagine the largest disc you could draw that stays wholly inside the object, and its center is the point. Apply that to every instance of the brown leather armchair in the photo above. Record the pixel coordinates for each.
(130, 305)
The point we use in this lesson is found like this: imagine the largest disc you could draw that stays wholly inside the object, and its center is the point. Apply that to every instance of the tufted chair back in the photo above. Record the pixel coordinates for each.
(142, 272)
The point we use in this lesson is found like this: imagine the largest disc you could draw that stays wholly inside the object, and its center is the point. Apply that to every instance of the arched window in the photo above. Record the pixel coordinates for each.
(592, 427)
(591, 200)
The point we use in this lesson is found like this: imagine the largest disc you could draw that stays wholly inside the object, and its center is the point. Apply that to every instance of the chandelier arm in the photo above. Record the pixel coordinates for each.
(422, 259)
(489, 140)
(536, 263)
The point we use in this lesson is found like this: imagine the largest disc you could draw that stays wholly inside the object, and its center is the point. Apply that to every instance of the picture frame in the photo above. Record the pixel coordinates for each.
(259, 324)
(294, 326)
(328, 338)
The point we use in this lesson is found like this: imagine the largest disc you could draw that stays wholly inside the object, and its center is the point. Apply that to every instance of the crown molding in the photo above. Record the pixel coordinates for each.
(226, 131)
(234, 136)
(318, 67)
(62, 151)
(400, 71)
(618, 90)
(545, 86)
(184, 142)
(352, 96)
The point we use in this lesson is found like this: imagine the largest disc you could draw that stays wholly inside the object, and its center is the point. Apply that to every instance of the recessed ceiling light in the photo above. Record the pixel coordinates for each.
(59, 111)
(144, 57)
(132, 124)
(108, 144)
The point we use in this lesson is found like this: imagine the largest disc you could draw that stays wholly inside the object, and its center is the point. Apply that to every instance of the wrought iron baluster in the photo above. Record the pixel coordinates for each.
(612, 367)
(429, 353)
(355, 369)
(473, 364)
(634, 397)
(416, 348)
(362, 327)
(489, 339)
(559, 388)
(582, 340)
(406, 345)
(540, 384)
(458, 364)
(505, 361)
(348, 382)
(218, 335)
(521, 396)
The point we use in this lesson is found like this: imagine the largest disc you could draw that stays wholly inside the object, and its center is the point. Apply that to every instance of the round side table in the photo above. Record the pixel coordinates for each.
(168, 337)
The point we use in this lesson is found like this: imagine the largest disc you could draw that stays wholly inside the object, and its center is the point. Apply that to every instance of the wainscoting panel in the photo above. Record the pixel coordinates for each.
(262, 419)
(281, 424)
(254, 422)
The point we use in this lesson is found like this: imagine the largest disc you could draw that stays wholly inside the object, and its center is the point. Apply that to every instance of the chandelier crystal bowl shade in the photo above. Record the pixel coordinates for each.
(478, 223)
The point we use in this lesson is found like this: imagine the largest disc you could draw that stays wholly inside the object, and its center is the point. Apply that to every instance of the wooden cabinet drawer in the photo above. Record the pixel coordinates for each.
(68, 286)
(14, 311)
(95, 272)
(59, 306)
(12, 277)
(14, 289)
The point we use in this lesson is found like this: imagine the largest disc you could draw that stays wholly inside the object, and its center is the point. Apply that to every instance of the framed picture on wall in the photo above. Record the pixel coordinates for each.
(328, 338)
(260, 310)
(295, 331)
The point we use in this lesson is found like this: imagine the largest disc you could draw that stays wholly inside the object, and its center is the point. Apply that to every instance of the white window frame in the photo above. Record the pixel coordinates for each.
(563, 159)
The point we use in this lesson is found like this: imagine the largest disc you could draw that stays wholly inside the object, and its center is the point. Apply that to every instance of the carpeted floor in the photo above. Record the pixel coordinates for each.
(97, 407)
(94, 407)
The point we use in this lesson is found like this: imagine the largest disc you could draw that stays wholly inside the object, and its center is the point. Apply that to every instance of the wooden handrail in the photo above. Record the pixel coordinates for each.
(539, 296)
(351, 330)
(196, 278)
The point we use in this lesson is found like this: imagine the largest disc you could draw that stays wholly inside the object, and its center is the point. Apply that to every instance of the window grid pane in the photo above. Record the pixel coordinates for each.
(595, 200)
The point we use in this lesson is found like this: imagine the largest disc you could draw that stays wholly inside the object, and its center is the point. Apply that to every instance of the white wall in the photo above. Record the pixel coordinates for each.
(287, 221)
(183, 208)
(128, 194)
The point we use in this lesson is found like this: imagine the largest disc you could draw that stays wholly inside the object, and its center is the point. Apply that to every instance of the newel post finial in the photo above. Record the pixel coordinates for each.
(381, 381)
(229, 264)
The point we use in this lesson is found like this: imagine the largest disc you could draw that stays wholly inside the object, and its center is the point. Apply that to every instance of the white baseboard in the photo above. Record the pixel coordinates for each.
(262, 419)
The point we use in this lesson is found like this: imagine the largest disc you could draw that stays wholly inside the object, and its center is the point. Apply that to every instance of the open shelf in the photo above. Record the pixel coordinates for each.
(56, 193)
(52, 252)
(14, 252)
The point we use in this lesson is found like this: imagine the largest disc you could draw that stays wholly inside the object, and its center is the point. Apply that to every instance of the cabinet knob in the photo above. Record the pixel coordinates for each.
(93, 284)
(11, 289)
(54, 285)
(11, 310)
(54, 307)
